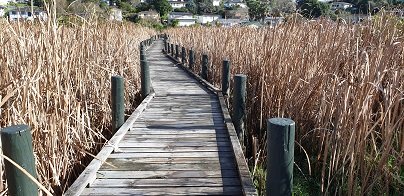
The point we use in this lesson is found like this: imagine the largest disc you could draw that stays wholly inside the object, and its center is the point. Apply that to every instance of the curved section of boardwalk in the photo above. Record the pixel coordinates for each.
(178, 146)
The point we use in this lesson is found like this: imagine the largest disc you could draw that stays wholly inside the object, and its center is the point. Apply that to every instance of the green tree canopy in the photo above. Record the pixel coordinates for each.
(162, 7)
(257, 9)
(314, 9)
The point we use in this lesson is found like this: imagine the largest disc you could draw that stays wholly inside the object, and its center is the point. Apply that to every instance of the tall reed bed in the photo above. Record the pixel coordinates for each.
(342, 84)
(56, 79)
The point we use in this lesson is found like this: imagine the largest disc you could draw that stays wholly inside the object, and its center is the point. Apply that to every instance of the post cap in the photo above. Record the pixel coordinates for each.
(281, 121)
(15, 129)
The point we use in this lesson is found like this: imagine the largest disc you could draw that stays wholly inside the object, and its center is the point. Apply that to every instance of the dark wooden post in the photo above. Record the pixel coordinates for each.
(145, 78)
(183, 55)
(280, 156)
(191, 59)
(172, 50)
(226, 77)
(168, 48)
(177, 52)
(117, 102)
(239, 107)
(17, 145)
(204, 71)
(165, 45)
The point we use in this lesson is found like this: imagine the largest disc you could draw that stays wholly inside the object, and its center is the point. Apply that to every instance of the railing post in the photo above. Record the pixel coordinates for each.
(226, 77)
(191, 59)
(280, 156)
(145, 78)
(172, 50)
(165, 45)
(177, 51)
(117, 102)
(204, 71)
(183, 55)
(17, 145)
(239, 107)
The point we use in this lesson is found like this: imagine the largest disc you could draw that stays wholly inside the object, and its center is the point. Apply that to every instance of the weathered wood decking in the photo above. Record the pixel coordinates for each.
(181, 144)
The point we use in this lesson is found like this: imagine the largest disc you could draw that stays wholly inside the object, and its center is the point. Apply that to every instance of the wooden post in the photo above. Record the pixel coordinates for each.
(145, 78)
(17, 145)
(226, 77)
(239, 107)
(165, 45)
(172, 50)
(183, 55)
(117, 102)
(168, 48)
(204, 71)
(177, 51)
(191, 59)
(280, 156)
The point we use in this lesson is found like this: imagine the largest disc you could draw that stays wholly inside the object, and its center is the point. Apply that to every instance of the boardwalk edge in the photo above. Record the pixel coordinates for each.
(90, 172)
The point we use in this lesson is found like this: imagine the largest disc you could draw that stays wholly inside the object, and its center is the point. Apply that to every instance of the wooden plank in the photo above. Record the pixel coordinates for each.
(189, 160)
(171, 144)
(140, 131)
(122, 165)
(169, 154)
(166, 174)
(166, 182)
(134, 138)
(177, 135)
(175, 149)
(233, 191)
(89, 174)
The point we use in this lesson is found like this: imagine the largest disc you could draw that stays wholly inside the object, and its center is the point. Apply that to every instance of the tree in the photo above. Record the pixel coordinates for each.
(192, 7)
(314, 9)
(143, 7)
(205, 6)
(162, 7)
(280, 7)
(257, 9)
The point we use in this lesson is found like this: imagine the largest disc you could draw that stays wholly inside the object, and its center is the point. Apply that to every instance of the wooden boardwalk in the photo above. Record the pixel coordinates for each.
(179, 145)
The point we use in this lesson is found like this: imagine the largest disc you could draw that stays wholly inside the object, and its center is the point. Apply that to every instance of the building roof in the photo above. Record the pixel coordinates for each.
(180, 14)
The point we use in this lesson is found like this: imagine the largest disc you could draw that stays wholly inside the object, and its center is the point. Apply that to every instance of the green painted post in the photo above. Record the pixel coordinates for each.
(239, 107)
(177, 48)
(191, 59)
(183, 55)
(204, 71)
(226, 77)
(17, 145)
(117, 102)
(280, 156)
(145, 78)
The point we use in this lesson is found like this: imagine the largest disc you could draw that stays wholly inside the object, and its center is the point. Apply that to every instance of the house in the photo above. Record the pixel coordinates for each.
(229, 22)
(239, 13)
(216, 2)
(2, 11)
(25, 13)
(183, 18)
(340, 5)
(273, 21)
(207, 18)
(177, 4)
(235, 3)
(115, 15)
(5, 2)
(149, 15)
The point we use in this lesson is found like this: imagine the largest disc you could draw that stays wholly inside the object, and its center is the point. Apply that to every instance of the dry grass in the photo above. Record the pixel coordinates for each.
(342, 84)
(56, 79)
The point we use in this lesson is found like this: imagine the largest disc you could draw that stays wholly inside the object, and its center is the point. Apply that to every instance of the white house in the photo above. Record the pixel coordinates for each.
(216, 2)
(183, 18)
(177, 4)
(5, 2)
(204, 19)
(234, 3)
(340, 5)
(115, 15)
(2, 11)
(230, 22)
(25, 13)
(273, 21)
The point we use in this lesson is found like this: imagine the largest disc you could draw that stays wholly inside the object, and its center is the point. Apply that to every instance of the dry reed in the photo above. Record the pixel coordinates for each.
(56, 79)
(342, 84)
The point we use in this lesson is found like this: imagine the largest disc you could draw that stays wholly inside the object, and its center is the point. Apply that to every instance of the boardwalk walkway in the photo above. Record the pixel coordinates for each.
(179, 145)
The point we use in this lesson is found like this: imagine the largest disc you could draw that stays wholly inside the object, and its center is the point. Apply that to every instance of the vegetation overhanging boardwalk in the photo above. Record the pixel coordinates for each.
(179, 145)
